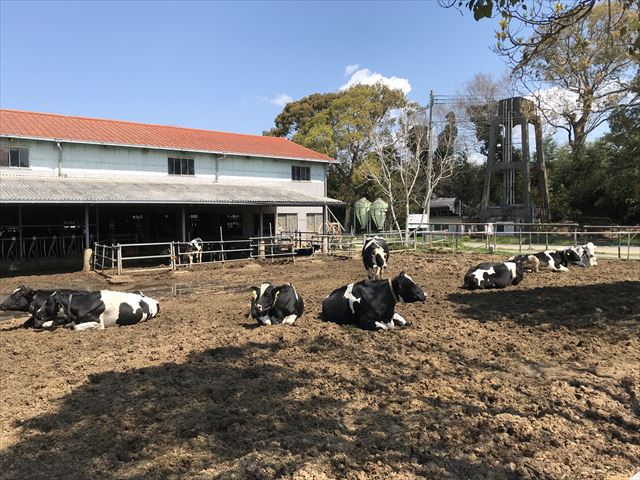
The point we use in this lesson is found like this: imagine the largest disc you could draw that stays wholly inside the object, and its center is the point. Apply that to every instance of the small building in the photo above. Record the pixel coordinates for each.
(66, 182)
(444, 214)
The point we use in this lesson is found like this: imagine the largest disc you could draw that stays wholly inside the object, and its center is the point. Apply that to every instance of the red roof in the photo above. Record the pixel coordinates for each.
(16, 123)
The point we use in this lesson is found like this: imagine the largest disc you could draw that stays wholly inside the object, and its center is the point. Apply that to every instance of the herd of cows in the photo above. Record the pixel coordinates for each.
(369, 303)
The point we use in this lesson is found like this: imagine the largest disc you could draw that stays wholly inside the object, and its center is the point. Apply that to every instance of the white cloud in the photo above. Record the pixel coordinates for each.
(476, 158)
(350, 69)
(280, 100)
(364, 76)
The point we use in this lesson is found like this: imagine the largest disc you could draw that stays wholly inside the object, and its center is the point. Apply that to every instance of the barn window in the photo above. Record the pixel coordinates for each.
(300, 173)
(314, 222)
(231, 223)
(181, 166)
(287, 222)
(14, 156)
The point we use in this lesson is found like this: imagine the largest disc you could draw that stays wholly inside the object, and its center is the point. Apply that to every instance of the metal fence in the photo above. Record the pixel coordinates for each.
(621, 243)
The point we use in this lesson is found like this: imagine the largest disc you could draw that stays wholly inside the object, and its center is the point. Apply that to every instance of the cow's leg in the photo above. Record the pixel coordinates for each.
(87, 326)
(562, 268)
(265, 320)
(30, 322)
(289, 319)
(401, 321)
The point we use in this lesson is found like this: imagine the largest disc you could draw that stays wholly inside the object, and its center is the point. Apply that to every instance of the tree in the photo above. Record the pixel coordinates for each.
(589, 69)
(340, 125)
(395, 166)
(527, 27)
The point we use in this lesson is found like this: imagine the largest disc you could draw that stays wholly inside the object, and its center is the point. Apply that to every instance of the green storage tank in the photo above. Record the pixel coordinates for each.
(379, 212)
(363, 211)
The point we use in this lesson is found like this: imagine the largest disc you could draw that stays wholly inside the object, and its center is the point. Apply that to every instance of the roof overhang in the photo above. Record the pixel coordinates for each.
(220, 153)
(56, 190)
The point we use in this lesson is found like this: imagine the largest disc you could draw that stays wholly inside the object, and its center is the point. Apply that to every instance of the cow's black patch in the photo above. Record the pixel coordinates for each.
(145, 309)
(126, 315)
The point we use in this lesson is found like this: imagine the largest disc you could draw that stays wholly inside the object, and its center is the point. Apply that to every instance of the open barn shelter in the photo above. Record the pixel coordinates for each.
(67, 182)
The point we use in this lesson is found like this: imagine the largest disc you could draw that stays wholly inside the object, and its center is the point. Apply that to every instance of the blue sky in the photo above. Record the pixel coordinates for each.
(226, 66)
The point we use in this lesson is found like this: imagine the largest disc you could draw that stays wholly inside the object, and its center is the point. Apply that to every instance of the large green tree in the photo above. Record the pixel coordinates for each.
(340, 125)
(586, 73)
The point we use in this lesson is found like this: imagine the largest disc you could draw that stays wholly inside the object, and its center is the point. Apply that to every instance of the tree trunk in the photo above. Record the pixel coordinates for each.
(348, 214)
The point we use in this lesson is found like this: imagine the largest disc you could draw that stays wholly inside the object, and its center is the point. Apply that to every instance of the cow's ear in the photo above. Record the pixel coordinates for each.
(402, 273)
(254, 292)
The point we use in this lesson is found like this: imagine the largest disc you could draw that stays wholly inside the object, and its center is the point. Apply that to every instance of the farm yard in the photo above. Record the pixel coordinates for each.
(536, 381)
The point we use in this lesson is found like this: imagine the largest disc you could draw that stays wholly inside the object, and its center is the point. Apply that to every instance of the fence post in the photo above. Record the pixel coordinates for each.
(619, 244)
(628, 245)
(221, 247)
(546, 240)
(95, 249)
(172, 252)
(119, 260)
(519, 238)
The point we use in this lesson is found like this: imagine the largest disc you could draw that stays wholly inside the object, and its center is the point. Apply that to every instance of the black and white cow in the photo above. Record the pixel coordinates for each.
(273, 305)
(101, 309)
(493, 275)
(559, 260)
(370, 304)
(194, 250)
(26, 299)
(375, 254)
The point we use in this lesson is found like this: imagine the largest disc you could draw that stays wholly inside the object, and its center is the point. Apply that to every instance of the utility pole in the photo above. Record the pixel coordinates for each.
(427, 199)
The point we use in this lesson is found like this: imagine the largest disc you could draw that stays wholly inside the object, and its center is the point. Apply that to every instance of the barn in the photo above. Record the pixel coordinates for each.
(67, 182)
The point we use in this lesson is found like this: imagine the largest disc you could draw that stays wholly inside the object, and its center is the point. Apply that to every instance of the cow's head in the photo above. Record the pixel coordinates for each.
(20, 299)
(407, 290)
(49, 309)
(262, 299)
(575, 256)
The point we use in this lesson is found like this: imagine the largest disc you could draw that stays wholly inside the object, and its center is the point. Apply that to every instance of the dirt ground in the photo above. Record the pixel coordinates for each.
(538, 381)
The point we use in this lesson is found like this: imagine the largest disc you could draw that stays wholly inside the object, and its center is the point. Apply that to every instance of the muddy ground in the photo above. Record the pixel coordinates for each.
(538, 381)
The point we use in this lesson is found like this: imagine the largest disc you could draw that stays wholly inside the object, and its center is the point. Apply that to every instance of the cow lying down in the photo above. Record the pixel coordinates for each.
(554, 260)
(493, 275)
(26, 299)
(273, 305)
(101, 309)
(371, 304)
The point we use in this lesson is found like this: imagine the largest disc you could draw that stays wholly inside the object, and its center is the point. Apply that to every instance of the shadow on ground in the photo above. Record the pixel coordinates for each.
(576, 306)
(231, 412)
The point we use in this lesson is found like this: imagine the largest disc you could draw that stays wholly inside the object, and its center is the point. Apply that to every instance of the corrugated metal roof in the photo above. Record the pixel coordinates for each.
(47, 126)
(31, 189)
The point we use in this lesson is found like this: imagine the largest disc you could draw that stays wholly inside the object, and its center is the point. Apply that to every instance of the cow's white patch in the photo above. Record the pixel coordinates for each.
(374, 240)
(15, 290)
(409, 278)
(87, 325)
(401, 321)
(263, 287)
(512, 268)
(294, 292)
(348, 294)
(112, 301)
(289, 319)
(47, 324)
(382, 325)
(265, 320)
(479, 274)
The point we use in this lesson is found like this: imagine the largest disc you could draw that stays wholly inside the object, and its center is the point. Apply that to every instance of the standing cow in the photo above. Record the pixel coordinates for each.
(26, 299)
(194, 250)
(493, 275)
(370, 304)
(375, 254)
(101, 309)
(273, 305)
